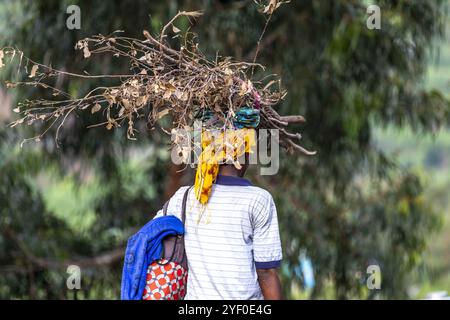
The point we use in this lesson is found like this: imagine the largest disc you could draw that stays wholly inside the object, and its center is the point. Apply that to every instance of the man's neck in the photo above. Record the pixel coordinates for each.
(229, 170)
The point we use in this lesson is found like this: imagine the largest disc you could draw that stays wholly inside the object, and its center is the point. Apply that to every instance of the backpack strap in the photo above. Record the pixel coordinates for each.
(176, 239)
(183, 205)
(166, 205)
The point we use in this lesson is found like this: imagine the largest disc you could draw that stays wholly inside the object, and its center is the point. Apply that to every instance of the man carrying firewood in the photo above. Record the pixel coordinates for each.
(232, 239)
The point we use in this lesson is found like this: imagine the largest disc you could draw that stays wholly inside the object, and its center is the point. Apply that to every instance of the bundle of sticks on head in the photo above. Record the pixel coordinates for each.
(162, 80)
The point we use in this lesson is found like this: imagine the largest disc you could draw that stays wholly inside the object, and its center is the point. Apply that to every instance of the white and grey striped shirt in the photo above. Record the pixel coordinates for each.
(236, 233)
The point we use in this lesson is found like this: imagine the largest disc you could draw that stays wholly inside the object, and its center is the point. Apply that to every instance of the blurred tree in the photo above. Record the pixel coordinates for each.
(348, 207)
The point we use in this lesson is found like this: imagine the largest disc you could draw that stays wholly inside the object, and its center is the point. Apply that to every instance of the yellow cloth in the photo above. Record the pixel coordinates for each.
(219, 147)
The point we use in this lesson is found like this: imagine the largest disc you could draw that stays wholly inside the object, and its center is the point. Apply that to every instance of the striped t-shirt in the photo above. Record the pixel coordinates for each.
(226, 242)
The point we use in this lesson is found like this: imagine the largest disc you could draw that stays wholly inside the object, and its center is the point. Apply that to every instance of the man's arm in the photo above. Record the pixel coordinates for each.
(270, 283)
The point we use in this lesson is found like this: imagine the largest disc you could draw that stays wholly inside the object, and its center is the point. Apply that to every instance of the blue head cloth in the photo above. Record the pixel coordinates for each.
(246, 117)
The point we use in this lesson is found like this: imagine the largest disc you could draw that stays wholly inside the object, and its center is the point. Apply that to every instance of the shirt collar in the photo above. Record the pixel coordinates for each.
(232, 181)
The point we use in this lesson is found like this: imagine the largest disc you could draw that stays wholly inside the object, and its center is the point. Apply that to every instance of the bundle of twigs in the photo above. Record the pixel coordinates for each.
(162, 80)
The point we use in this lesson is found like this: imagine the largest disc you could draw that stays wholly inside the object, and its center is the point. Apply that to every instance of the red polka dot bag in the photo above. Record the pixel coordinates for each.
(167, 276)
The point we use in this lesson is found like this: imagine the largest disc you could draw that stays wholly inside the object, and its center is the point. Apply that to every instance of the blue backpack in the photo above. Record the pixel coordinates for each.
(155, 264)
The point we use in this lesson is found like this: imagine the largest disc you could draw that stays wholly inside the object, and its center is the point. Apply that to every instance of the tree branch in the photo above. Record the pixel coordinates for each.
(103, 259)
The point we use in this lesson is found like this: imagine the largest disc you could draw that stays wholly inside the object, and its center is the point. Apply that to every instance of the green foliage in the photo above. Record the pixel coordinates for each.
(428, 155)
(348, 207)
(78, 210)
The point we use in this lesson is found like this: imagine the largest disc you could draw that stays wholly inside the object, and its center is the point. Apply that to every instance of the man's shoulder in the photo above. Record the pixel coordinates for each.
(180, 192)
(178, 195)
(260, 194)
(250, 191)
(182, 189)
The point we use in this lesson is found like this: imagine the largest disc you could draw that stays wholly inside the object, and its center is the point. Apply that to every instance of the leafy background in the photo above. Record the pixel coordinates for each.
(377, 107)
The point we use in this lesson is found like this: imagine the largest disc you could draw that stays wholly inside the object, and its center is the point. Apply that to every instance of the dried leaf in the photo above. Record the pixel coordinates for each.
(273, 5)
(79, 44)
(33, 71)
(244, 88)
(228, 72)
(175, 29)
(126, 103)
(167, 94)
(170, 89)
(270, 7)
(185, 96)
(15, 123)
(86, 52)
(2, 55)
(162, 114)
(194, 14)
(96, 108)
(178, 94)
(147, 34)
(141, 101)
(228, 81)
(10, 84)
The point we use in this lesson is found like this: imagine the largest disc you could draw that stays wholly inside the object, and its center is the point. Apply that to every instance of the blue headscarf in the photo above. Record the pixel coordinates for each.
(246, 117)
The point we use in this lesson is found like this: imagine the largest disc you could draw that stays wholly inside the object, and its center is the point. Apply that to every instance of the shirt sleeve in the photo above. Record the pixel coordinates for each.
(174, 207)
(158, 214)
(266, 236)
